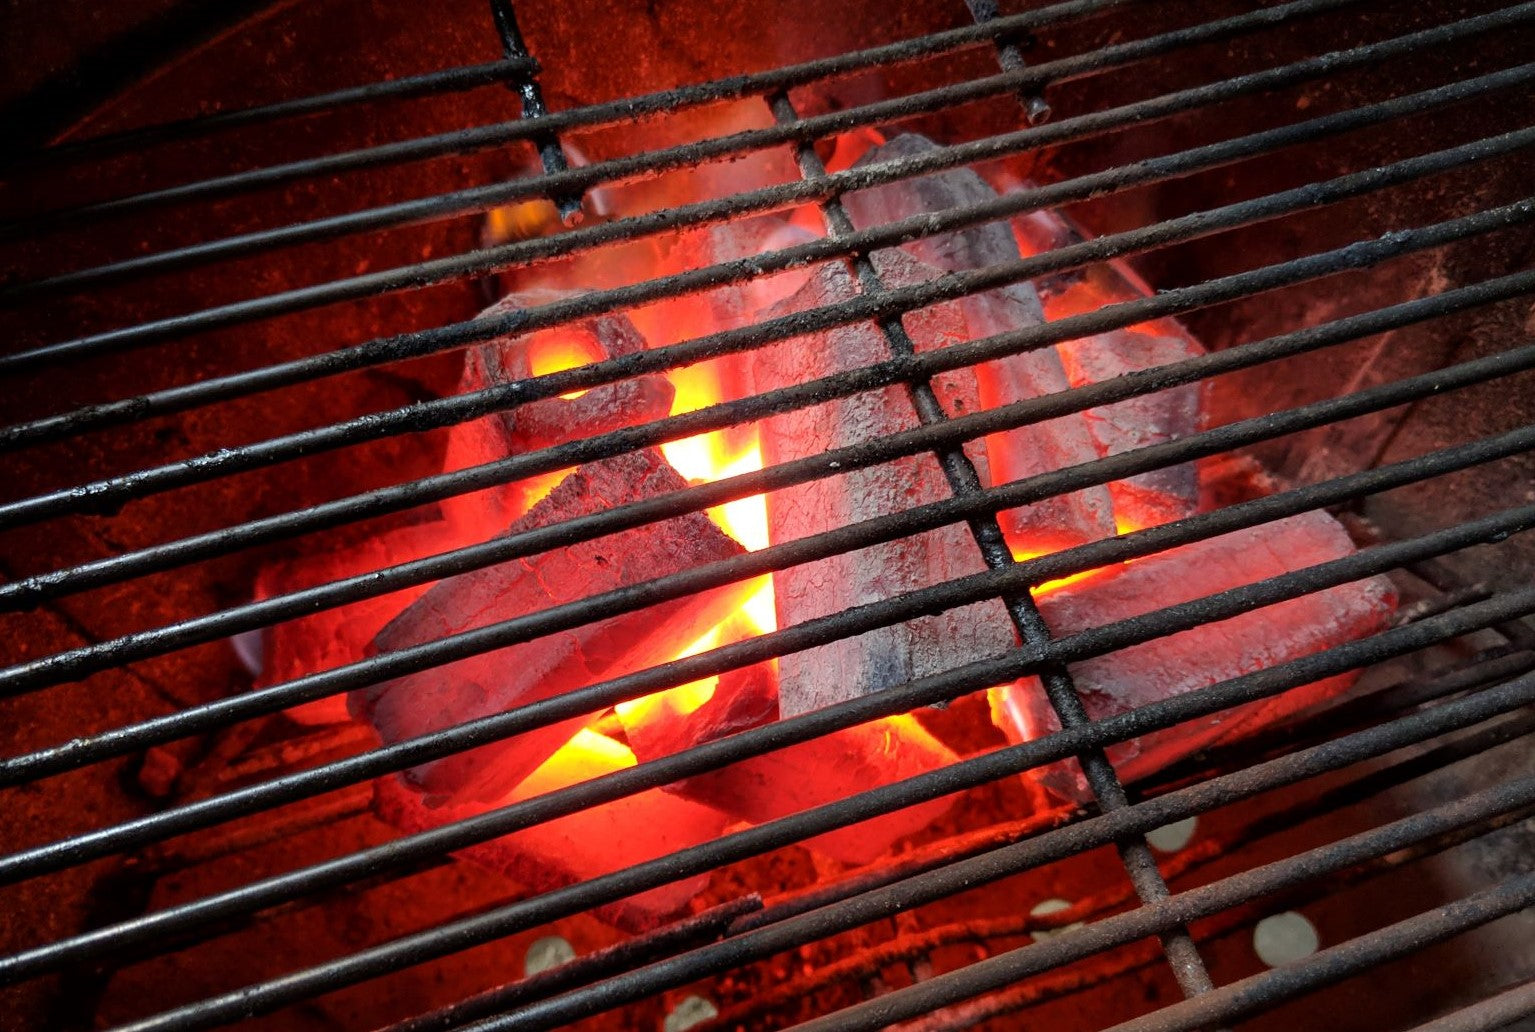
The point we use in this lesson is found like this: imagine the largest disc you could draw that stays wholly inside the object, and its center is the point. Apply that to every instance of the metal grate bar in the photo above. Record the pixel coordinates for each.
(1032, 659)
(466, 141)
(1496, 1012)
(1360, 711)
(176, 399)
(426, 273)
(1480, 699)
(1035, 852)
(1010, 56)
(409, 495)
(1420, 764)
(1480, 674)
(1039, 989)
(1336, 963)
(646, 164)
(374, 763)
(1178, 947)
(1186, 864)
(623, 956)
(292, 787)
(964, 482)
(448, 80)
(505, 256)
(77, 662)
(1129, 960)
(456, 335)
(1072, 839)
(236, 619)
(546, 142)
(377, 669)
(1238, 999)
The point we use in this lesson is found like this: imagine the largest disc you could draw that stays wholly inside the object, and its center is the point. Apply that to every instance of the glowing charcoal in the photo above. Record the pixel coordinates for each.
(511, 431)
(669, 722)
(1084, 515)
(890, 655)
(825, 770)
(1159, 496)
(582, 845)
(1166, 667)
(743, 302)
(1147, 499)
(335, 637)
(556, 663)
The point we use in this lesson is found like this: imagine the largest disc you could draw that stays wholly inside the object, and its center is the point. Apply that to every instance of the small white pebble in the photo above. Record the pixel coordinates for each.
(1285, 938)
(690, 1011)
(548, 952)
(1052, 906)
(1170, 838)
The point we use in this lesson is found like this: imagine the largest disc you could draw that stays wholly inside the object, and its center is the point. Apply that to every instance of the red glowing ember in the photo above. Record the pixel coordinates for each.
(582, 845)
(493, 682)
(336, 637)
(1205, 655)
(838, 765)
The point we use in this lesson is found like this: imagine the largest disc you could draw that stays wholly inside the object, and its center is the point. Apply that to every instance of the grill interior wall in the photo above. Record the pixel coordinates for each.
(662, 44)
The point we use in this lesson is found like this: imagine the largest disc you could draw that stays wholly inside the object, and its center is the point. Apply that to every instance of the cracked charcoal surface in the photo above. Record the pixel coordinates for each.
(1158, 496)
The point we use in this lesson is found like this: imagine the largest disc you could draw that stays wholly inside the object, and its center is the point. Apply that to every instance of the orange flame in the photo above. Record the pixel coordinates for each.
(556, 352)
(1022, 553)
(702, 459)
(706, 458)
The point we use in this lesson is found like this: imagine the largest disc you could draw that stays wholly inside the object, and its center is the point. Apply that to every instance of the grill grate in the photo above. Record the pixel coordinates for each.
(1453, 680)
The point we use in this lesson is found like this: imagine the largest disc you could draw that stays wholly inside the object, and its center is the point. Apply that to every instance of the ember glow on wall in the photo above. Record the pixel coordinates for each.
(904, 475)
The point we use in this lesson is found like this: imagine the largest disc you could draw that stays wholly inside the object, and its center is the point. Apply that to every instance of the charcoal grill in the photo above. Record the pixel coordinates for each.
(238, 286)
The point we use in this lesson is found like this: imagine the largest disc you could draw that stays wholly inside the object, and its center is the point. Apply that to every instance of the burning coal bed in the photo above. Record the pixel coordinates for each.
(656, 822)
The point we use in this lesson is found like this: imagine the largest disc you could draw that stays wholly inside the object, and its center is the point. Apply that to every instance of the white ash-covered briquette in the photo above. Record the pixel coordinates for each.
(520, 674)
(735, 304)
(890, 655)
(1158, 496)
(1205, 655)
(511, 431)
(1084, 515)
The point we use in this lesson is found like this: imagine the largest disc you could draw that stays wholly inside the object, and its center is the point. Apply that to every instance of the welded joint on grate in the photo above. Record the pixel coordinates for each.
(550, 154)
(1010, 56)
(1139, 862)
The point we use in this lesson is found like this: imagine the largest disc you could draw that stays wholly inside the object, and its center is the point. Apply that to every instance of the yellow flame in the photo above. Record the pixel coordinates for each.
(587, 755)
(535, 489)
(703, 459)
(521, 221)
(1023, 554)
(684, 698)
(1122, 525)
(556, 352)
